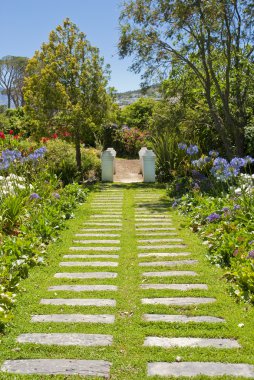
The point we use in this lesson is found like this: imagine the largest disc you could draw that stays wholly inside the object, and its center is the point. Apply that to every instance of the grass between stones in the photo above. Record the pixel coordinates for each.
(128, 355)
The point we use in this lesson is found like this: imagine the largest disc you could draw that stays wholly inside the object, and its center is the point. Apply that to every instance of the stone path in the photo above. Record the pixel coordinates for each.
(127, 171)
(103, 233)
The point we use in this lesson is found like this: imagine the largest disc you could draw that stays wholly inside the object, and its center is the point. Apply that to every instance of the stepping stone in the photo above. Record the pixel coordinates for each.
(159, 240)
(88, 264)
(96, 241)
(153, 223)
(168, 263)
(103, 216)
(158, 234)
(101, 229)
(191, 369)
(66, 339)
(78, 301)
(162, 246)
(94, 248)
(83, 288)
(154, 341)
(170, 273)
(182, 301)
(97, 235)
(154, 228)
(74, 318)
(103, 224)
(144, 219)
(174, 286)
(90, 256)
(164, 254)
(66, 367)
(181, 318)
(83, 275)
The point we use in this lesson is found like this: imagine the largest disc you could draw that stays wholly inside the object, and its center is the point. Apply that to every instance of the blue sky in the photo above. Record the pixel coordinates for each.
(25, 25)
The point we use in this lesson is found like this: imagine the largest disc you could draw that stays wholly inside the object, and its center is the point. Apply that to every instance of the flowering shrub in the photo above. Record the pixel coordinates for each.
(223, 214)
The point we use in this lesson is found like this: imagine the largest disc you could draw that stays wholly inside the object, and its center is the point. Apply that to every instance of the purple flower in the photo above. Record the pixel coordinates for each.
(174, 204)
(225, 209)
(213, 153)
(237, 207)
(212, 217)
(248, 160)
(192, 149)
(251, 242)
(251, 255)
(34, 196)
(182, 146)
(56, 195)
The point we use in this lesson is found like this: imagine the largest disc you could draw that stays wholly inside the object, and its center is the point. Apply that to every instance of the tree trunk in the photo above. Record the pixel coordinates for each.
(78, 151)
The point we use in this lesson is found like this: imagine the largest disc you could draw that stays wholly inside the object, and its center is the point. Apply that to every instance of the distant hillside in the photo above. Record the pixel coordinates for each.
(129, 97)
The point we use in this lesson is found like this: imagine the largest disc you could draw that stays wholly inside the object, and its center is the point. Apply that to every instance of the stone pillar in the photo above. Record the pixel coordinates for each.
(112, 150)
(107, 166)
(141, 162)
(149, 166)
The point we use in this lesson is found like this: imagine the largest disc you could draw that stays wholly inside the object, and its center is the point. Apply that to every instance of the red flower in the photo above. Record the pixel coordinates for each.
(55, 136)
(44, 139)
(2, 135)
(16, 137)
(11, 132)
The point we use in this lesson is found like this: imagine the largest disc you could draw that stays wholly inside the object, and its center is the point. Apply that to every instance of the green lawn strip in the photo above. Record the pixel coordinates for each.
(128, 355)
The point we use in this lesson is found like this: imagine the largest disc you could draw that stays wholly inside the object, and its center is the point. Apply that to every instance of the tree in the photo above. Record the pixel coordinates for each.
(12, 71)
(138, 113)
(66, 85)
(214, 39)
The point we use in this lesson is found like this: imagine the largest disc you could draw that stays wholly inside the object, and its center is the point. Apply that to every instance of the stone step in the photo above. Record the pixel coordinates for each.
(169, 240)
(191, 369)
(181, 301)
(96, 241)
(168, 263)
(82, 288)
(83, 275)
(181, 318)
(66, 339)
(103, 224)
(99, 249)
(97, 235)
(153, 223)
(78, 301)
(90, 256)
(153, 341)
(157, 234)
(153, 219)
(113, 229)
(169, 273)
(66, 367)
(169, 246)
(174, 286)
(88, 264)
(164, 254)
(154, 228)
(104, 216)
(74, 318)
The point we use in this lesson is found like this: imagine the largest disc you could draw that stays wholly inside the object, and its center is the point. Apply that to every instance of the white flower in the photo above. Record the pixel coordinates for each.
(241, 325)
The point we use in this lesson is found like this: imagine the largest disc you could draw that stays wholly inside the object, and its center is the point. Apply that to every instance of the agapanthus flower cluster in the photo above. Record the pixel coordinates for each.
(36, 155)
(192, 149)
(224, 170)
(11, 184)
(182, 146)
(201, 162)
(213, 217)
(9, 157)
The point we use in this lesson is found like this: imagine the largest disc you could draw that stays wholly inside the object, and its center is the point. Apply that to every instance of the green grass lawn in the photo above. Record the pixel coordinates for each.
(128, 356)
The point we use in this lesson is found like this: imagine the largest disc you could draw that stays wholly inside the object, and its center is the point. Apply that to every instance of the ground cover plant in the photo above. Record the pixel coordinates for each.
(217, 197)
(34, 207)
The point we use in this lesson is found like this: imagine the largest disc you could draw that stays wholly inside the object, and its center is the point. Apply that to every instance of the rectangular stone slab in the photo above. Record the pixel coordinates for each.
(170, 273)
(177, 301)
(169, 240)
(95, 249)
(181, 318)
(164, 254)
(154, 228)
(97, 235)
(65, 367)
(90, 256)
(182, 287)
(96, 241)
(78, 301)
(103, 224)
(145, 234)
(88, 264)
(86, 275)
(82, 288)
(66, 339)
(169, 246)
(73, 318)
(97, 229)
(168, 263)
(156, 220)
(191, 369)
(154, 341)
